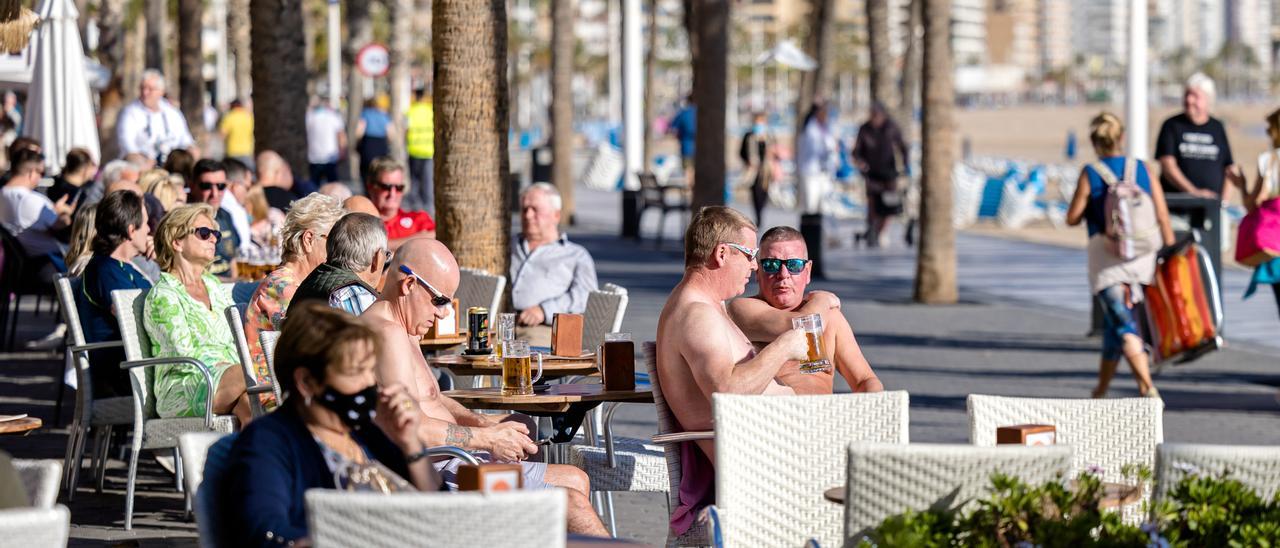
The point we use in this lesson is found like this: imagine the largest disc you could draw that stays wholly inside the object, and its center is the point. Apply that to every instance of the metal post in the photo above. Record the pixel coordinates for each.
(224, 82)
(615, 62)
(1136, 92)
(335, 55)
(632, 92)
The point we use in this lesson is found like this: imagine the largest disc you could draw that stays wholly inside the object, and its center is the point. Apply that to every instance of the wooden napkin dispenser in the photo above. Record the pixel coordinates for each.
(446, 326)
(1027, 434)
(490, 477)
(566, 335)
(618, 365)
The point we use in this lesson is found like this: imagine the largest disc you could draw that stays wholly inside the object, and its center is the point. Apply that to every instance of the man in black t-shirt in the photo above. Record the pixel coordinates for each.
(1192, 148)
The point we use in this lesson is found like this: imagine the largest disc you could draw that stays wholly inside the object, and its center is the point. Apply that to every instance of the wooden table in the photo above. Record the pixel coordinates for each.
(443, 343)
(552, 367)
(1114, 495)
(21, 426)
(556, 399)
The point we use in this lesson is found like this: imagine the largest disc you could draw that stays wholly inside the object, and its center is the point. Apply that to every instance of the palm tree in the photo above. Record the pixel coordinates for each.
(111, 41)
(359, 34)
(936, 263)
(562, 53)
(191, 65)
(401, 15)
(238, 43)
(878, 49)
(650, 88)
(816, 85)
(469, 41)
(157, 17)
(278, 73)
(711, 65)
(908, 88)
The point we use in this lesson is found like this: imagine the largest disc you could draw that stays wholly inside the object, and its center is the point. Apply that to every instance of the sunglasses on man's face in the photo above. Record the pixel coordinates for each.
(205, 233)
(222, 187)
(437, 298)
(389, 187)
(774, 266)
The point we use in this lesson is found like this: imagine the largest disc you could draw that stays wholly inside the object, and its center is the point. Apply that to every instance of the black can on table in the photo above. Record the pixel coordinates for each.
(478, 334)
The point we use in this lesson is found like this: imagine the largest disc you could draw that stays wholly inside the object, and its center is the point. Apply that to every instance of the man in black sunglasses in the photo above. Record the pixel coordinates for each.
(783, 276)
(208, 185)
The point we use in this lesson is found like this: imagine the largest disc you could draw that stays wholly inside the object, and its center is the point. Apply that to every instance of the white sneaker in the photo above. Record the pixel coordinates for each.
(51, 341)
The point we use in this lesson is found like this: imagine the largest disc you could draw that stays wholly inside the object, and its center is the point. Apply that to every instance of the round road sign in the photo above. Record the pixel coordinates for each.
(373, 60)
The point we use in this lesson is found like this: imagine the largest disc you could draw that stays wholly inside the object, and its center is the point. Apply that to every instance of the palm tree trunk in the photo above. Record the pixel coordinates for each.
(401, 15)
(650, 89)
(238, 43)
(910, 82)
(359, 34)
(562, 49)
(190, 66)
(111, 46)
(878, 48)
(711, 19)
(157, 15)
(815, 85)
(936, 263)
(691, 32)
(278, 74)
(469, 43)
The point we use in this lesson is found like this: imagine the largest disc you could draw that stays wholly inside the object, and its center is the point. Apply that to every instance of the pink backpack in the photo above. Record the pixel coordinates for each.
(1129, 213)
(1258, 240)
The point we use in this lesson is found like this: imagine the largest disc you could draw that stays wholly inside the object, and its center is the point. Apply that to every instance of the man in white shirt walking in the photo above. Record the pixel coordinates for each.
(326, 139)
(150, 125)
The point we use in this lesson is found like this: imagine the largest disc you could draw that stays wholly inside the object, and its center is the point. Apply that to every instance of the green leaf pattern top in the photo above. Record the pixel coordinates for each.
(180, 326)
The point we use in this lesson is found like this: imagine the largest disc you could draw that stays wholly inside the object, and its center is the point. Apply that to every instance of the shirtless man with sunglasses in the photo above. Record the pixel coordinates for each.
(783, 275)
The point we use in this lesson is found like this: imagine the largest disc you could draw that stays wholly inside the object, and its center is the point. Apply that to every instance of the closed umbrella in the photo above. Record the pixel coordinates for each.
(59, 110)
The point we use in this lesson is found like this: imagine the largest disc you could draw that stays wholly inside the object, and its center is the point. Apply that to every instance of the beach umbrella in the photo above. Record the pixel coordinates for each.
(59, 110)
(788, 55)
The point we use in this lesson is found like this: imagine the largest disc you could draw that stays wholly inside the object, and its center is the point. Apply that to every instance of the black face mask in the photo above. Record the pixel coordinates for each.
(356, 410)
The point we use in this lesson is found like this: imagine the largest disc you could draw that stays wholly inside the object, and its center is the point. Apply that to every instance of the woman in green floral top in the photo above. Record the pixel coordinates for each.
(303, 240)
(183, 315)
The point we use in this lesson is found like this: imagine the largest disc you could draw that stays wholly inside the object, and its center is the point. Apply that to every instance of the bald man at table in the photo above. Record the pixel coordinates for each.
(419, 288)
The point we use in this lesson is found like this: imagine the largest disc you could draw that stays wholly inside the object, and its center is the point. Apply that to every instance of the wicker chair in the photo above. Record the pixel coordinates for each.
(268, 340)
(40, 478)
(100, 414)
(885, 480)
(669, 438)
(1258, 467)
(235, 320)
(35, 527)
(1106, 433)
(605, 310)
(520, 518)
(149, 430)
(479, 288)
(775, 456)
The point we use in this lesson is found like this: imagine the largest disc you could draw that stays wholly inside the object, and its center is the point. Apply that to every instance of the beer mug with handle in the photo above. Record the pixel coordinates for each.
(817, 361)
(517, 362)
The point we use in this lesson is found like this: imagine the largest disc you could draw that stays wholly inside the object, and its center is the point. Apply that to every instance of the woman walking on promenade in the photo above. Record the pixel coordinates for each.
(1115, 280)
(1266, 189)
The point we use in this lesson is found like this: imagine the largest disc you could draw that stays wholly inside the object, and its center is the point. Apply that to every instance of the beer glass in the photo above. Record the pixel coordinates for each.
(517, 362)
(506, 332)
(817, 361)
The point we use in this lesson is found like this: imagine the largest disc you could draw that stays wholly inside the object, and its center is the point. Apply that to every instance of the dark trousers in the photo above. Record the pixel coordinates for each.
(324, 173)
(421, 196)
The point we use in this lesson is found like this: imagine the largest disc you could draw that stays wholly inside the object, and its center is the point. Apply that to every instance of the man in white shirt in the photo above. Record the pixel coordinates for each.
(151, 126)
(326, 139)
(239, 179)
(29, 215)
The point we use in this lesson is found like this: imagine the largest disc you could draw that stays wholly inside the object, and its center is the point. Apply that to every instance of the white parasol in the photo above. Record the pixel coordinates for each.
(59, 111)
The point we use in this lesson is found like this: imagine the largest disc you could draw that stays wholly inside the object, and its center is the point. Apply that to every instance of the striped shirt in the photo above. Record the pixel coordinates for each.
(352, 298)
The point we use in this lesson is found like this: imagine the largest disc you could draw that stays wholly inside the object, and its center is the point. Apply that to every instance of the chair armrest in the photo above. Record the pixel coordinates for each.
(452, 451)
(676, 437)
(95, 346)
(264, 388)
(199, 365)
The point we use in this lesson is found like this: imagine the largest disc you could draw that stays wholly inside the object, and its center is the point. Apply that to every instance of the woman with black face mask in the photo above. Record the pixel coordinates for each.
(335, 429)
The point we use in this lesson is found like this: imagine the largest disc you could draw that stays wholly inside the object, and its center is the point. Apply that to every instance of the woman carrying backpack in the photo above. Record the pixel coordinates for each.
(1128, 222)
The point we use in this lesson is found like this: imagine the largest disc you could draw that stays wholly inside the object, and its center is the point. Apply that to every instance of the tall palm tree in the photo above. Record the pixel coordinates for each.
(909, 85)
(817, 84)
(191, 65)
(878, 49)
(711, 71)
(238, 43)
(469, 42)
(936, 263)
(359, 34)
(401, 15)
(157, 16)
(278, 73)
(111, 42)
(562, 51)
(650, 88)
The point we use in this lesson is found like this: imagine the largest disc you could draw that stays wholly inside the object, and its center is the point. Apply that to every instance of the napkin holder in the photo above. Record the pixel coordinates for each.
(446, 326)
(566, 335)
(490, 477)
(618, 365)
(1027, 434)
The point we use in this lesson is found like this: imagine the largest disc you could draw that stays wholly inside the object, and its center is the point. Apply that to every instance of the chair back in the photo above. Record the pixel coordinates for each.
(478, 288)
(40, 478)
(235, 320)
(775, 456)
(63, 287)
(605, 309)
(340, 519)
(268, 340)
(666, 424)
(137, 346)
(886, 480)
(1106, 433)
(204, 457)
(15, 257)
(36, 527)
(1256, 466)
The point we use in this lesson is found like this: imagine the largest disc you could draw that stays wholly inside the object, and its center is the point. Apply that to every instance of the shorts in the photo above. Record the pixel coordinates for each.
(534, 472)
(1117, 321)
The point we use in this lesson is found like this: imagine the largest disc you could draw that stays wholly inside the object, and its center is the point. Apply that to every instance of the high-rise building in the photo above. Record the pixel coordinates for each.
(1054, 37)
(1249, 24)
(969, 32)
(1099, 31)
(1013, 34)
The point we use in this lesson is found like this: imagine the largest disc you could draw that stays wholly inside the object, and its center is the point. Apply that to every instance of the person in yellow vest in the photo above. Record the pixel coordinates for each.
(420, 140)
(236, 128)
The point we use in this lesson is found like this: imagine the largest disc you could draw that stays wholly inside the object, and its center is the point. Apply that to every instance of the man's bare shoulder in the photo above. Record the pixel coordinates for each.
(754, 304)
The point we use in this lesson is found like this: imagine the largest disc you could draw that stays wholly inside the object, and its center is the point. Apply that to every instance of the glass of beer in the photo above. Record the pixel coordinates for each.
(817, 361)
(517, 363)
(506, 331)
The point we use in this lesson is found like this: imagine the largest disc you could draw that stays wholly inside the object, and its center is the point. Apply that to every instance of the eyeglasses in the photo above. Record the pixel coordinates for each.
(774, 266)
(205, 233)
(386, 260)
(210, 186)
(750, 253)
(437, 298)
(389, 187)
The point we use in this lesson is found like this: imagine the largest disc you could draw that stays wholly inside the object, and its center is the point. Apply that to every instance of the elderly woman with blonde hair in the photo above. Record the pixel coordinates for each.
(183, 316)
(306, 228)
(156, 182)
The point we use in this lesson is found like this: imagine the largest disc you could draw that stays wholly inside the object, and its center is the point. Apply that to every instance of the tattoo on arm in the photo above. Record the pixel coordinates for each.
(458, 436)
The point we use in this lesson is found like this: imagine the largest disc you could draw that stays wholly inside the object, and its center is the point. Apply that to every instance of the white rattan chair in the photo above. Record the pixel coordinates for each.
(775, 456)
(669, 438)
(149, 430)
(885, 480)
(194, 448)
(268, 340)
(605, 310)
(35, 527)
(40, 478)
(534, 519)
(1256, 466)
(478, 288)
(235, 320)
(1106, 433)
(100, 414)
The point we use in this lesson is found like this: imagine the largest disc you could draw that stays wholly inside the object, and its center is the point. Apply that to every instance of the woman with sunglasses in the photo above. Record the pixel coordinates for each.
(183, 315)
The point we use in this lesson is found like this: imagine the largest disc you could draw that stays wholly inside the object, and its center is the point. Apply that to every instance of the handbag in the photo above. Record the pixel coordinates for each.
(1258, 237)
